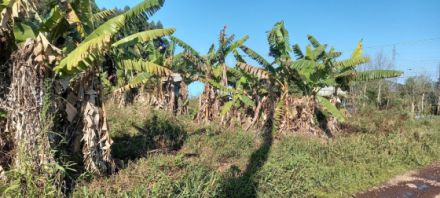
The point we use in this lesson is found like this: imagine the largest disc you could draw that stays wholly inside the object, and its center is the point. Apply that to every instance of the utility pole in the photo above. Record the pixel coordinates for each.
(394, 54)
(438, 79)
(438, 91)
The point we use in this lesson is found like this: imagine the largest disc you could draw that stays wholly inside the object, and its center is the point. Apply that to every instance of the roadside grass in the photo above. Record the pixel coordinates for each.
(346, 165)
(212, 161)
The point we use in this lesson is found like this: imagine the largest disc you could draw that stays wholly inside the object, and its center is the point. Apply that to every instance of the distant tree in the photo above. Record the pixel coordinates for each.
(380, 61)
(417, 89)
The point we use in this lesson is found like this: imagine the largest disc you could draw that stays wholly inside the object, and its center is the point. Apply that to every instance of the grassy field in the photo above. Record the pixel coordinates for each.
(176, 158)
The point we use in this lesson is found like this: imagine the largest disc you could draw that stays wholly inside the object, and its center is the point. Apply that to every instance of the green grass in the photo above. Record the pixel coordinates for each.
(344, 166)
(214, 162)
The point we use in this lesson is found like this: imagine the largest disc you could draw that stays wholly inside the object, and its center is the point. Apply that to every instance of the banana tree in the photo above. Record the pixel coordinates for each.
(86, 39)
(165, 88)
(175, 86)
(257, 83)
(331, 72)
(239, 100)
(23, 71)
(82, 66)
(213, 68)
(281, 81)
(294, 83)
(208, 102)
(226, 47)
(123, 67)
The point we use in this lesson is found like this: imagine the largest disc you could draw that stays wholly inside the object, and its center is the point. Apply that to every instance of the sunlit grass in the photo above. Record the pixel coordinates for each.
(212, 161)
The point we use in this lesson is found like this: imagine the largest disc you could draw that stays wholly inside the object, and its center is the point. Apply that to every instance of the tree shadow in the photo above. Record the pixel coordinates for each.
(245, 185)
(155, 135)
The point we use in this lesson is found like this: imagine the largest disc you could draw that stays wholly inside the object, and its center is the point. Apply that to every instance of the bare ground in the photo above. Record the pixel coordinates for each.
(424, 183)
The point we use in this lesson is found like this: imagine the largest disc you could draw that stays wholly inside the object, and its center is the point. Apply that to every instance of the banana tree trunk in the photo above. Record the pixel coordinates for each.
(26, 120)
(257, 113)
(164, 94)
(88, 124)
(183, 96)
(208, 105)
(127, 97)
(298, 115)
(148, 97)
(7, 47)
(173, 100)
(205, 105)
(226, 119)
(331, 123)
(224, 75)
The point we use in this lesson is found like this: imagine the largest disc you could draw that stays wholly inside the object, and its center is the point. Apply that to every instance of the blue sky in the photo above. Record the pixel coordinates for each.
(413, 27)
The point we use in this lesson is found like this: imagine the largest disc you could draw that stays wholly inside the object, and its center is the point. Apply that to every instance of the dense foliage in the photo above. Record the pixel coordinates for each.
(84, 91)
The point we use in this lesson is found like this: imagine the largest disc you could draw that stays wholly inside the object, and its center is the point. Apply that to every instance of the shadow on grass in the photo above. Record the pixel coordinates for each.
(155, 135)
(245, 184)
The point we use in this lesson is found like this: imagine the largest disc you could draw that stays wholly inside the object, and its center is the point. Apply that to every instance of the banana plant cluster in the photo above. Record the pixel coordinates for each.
(122, 50)
(294, 73)
(84, 64)
(89, 38)
(213, 71)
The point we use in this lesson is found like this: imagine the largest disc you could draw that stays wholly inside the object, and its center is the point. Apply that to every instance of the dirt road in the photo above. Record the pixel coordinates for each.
(424, 183)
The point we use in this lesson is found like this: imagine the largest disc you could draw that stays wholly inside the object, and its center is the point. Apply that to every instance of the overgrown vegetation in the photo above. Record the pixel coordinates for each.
(134, 138)
(213, 163)
(94, 102)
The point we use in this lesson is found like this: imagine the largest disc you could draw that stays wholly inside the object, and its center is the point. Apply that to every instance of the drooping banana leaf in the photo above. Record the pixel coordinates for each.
(144, 36)
(227, 107)
(138, 80)
(144, 66)
(377, 74)
(22, 32)
(330, 109)
(259, 73)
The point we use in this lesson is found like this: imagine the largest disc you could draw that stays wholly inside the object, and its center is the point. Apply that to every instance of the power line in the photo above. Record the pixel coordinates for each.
(410, 42)
(403, 43)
